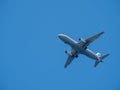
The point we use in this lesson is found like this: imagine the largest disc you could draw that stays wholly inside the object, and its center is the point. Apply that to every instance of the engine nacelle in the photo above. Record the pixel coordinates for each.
(76, 56)
(79, 39)
(82, 40)
(68, 52)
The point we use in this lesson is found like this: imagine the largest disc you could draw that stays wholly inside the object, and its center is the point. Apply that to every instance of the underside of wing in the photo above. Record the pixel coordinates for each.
(91, 39)
(69, 60)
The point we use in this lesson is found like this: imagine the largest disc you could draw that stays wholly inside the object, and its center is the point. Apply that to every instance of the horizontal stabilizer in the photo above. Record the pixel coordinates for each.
(96, 63)
(101, 58)
(104, 56)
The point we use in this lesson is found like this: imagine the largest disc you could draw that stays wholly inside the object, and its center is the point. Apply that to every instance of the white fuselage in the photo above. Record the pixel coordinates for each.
(77, 47)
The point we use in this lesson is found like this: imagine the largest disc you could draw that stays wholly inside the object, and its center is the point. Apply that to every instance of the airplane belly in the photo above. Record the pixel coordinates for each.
(90, 54)
(69, 41)
(78, 48)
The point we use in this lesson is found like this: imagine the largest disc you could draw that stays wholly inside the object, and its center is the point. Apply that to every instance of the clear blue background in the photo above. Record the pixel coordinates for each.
(32, 56)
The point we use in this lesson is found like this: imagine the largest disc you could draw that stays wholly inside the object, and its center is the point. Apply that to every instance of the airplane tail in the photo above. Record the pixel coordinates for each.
(104, 56)
(101, 58)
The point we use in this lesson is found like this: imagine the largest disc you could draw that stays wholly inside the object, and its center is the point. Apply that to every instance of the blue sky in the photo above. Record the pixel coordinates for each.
(32, 56)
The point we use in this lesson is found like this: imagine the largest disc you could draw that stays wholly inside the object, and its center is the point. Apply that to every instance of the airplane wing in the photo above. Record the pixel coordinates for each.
(91, 39)
(69, 60)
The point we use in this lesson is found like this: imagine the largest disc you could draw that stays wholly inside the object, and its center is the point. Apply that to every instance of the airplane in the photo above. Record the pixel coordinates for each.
(81, 47)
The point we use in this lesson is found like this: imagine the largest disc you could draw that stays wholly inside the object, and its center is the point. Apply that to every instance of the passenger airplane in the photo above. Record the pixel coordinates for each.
(81, 48)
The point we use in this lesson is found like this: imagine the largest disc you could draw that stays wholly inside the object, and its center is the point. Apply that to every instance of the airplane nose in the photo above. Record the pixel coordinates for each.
(60, 35)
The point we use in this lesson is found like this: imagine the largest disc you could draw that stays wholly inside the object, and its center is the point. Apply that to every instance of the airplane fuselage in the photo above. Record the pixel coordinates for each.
(77, 47)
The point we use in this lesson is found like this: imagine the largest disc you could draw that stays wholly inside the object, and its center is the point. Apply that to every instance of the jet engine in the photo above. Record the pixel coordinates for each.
(68, 52)
(82, 40)
(82, 43)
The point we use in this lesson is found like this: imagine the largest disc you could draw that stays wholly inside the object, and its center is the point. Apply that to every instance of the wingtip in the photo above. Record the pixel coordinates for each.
(102, 32)
(65, 66)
